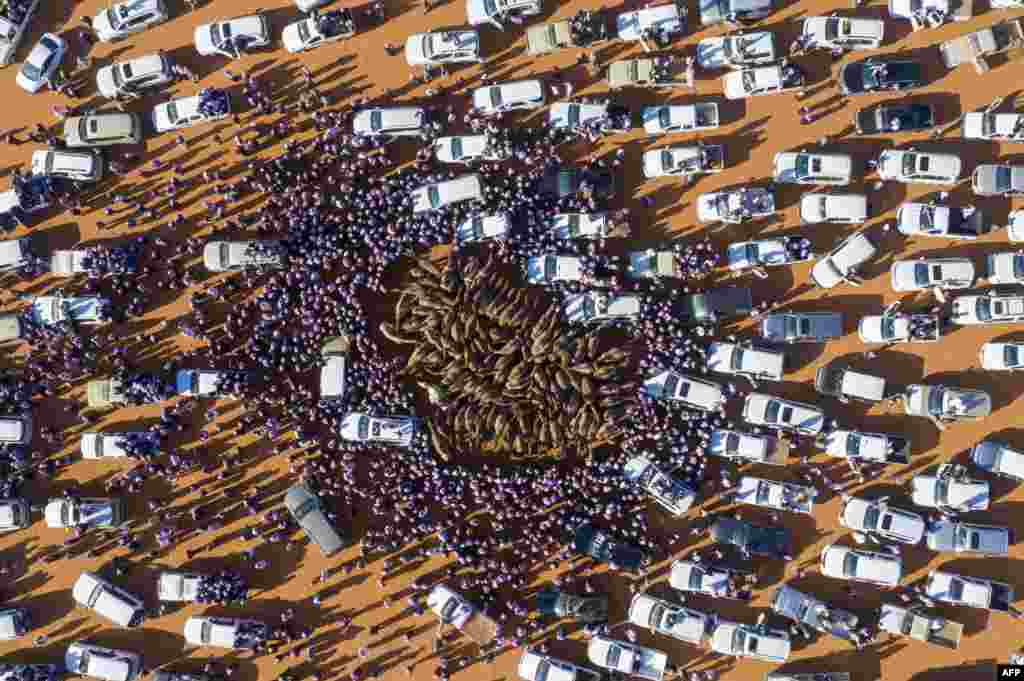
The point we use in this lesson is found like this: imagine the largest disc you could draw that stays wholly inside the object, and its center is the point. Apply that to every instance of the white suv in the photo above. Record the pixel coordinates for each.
(135, 75)
(440, 195)
(522, 94)
(83, 166)
(132, 16)
(919, 167)
(398, 121)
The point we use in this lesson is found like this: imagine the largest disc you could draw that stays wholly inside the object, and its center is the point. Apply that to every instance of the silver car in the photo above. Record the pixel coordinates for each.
(968, 538)
(922, 274)
(304, 507)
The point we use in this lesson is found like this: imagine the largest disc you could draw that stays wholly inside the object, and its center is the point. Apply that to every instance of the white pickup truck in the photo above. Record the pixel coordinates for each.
(1002, 127)
(626, 658)
(13, 22)
(178, 587)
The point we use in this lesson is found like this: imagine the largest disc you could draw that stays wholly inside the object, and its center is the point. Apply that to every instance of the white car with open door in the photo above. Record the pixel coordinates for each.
(234, 37)
(683, 624)
(391, 430)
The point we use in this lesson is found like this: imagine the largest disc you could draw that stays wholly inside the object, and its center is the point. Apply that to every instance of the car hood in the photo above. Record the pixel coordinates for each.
(291, 38)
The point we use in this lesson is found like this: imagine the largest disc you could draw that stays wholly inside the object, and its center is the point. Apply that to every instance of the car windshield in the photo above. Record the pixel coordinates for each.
(771, 412)
(764, 493)
(364, 427)
(305, 508)
(456, 147)
(739, 639)
(31, 71)
(496, 99)
(696, 579)
(956, 590)
(927, 217)
(941, 492)
(791, 327)
(542, 671)
(737, 359)
(910, 164)
(1011, 355)
(303, 32)
(832, 29)
(172, 112)
(433, 196)
(1003, 178)
(613, 656)
(983, 308)
(666, 160)
(550, 267)
(574, 115)
(115, 21)
(1018, 266)
(853, 442)
(807, 166)
(868, 76)
(888, 328)
(850, 564)
(921, 277)
(376, 120)
(732, 443)
(664, 117)
(935, 401)
(490, 8)
(871, 517)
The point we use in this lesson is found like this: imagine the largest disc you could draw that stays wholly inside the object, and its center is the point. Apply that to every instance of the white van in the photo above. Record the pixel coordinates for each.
(521, 94)
(15, 430)
(109, 601)
(332, 373)
(97, 662)
(440, 195)
(395, 121)
(82, 166)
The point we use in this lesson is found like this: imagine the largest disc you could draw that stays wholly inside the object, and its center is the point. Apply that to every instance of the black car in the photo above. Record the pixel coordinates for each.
(880, 75)
(896, 117)
(756, 540)
(587, 609)
(566, 182)
(600, 546)
(718, 304)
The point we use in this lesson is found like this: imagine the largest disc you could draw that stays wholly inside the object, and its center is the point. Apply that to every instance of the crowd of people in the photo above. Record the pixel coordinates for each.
(339, 208)
(224, 587)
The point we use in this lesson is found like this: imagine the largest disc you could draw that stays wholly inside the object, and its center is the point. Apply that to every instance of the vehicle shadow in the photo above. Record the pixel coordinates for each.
(981, 670)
